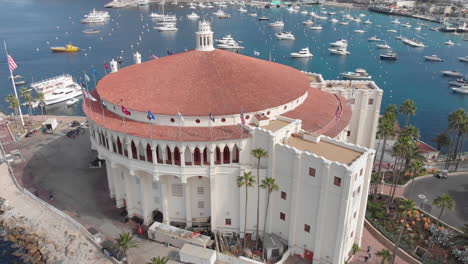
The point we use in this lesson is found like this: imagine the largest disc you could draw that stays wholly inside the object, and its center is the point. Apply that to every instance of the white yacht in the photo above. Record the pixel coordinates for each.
(334, 20)
(220, 12)
(303, 53)
(449, 42)
(167, 27)
(392, 30)
(358, 74)
(396, 21)
(418, 28)
(413, 43)
(317, 27)
(304, 12)
(96, 17)
(383, 46)
(360, 31)
(242, 9)
(433, 58)
(308, 22)
(344, 23)
(357, 19)
(278, 23)
(452, 73)
(407, 25)
(367, 22)
(232, 44)
(253, 14)
(342, 43)
(462, 89)
(225, 39)
(463, 59)
(193, 15)
(57, 89)
(374, 38)
(339, 51)
(285, 36)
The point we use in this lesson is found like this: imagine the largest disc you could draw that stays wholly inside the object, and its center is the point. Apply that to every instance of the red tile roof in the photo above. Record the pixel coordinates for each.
(424, 147)
(173, 133)
(196, 83)
(318, 113)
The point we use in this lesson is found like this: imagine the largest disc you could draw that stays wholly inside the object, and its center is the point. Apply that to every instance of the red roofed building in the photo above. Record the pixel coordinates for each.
(172, 135)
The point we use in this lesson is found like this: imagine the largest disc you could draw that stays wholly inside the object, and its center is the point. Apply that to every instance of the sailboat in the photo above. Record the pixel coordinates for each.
(264, 18)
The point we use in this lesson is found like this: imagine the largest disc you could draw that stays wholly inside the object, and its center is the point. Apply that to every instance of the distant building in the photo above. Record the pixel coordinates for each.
(211, 108)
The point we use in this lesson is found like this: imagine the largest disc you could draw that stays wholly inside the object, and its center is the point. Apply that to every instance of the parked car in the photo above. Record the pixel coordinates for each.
(442, 174)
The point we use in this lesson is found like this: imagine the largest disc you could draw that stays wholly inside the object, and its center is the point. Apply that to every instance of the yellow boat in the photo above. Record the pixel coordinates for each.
(67, 48)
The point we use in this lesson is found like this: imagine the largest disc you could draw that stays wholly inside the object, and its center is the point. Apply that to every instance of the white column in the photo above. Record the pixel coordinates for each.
(363, 204)
(129, 149)
(164, 202)
(129, 178)
(294, 211)
(119, 185)
(325, 181)
(342, 233)
(213, 207)
(146, 193)
(182, 157)
(110, 178)
(188, 204)
(211, 155)
(153, 153)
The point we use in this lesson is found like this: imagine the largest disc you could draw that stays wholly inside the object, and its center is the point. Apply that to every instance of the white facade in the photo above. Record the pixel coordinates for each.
(323, 182)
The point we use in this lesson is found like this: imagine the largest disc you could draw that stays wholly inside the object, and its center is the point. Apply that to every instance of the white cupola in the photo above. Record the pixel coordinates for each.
(204, 37)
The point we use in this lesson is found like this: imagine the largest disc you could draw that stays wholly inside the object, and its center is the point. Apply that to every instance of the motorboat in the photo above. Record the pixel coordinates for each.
(392, 31)
(16, 76)
(342, 43)
(304, 12)
(263, 18)
(95, 17)
(357, 19)
(360, 31)
(67, 48)
(278, 23)
(362, 15)
(406, 25)
(285, 36)
(20, 81)
(72, 101)
(459, 82)
(193, 15)
(452, 73)
(399, 37)
(374, 38)
(413, 43)
(383, 46)
(449, 42)
(242, 9)
(463, 59)
(57, 89)
(225, 39)
(252, 14)
(91, 31)
(358, 74)
(317, 27)
(344, 23)
(303, 53)
(396, 21)
(433, 58)
(63, 94)
(167, 27)
(334, 20)
(232, 44)
(463, 89)
(308, 22)
(418, 28)
(367, 22)
(390, 55)
(339, 51)
(331, 13)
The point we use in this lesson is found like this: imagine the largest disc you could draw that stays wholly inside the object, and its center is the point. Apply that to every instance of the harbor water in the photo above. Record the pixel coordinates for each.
(30, 27)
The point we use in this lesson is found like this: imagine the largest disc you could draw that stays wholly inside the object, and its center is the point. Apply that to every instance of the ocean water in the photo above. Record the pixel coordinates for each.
(31, 26)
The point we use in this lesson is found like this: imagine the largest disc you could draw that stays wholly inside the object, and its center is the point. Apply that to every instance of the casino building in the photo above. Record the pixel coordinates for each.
(182, 165)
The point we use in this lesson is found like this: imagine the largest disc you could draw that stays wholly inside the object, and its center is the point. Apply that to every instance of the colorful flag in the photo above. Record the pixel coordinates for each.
(256, 53)
(212, 118)
(180, 116)
(242, 118)
(87, 77)
(11, 63)
(153, 56)
(150, 115)
(125, 111)
(106, 66)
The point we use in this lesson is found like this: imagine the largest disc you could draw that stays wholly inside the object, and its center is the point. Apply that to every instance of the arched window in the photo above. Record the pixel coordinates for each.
(197, 157)
(134, 151)
(226, 156)
(236, 154)
(218, 156)
(149, 153)
(206, 161)
(158, 155)
(176, 156)
(119, 145)
(169, 155)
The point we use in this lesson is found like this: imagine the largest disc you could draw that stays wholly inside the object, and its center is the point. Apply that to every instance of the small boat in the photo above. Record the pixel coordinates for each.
(449, 42)
(344, 23)
(383, 46)
(308, 22)
(242, 9)
(16, 76)
(91, 31)
(390, 55)
(303, 53)
(263, 18)
(459, 82)
(193, 15)
(418, 28)
(433, 58)
(463, 89)
(360, 31)
(407, 25)
(358, 20)
(304, 12)
(331, 13)
(399, 37)
(278, 23)
(318, 27)
(72, 101)
(392, 30)
(232, 44)
(374, 38)
(285, 36)
(167, 27)
(452, 73)
(339, 51)
(252, 14)
(463, 59)
(334, 20)
(358, 74)
(342, 43)
(413, 42)
(19, 82)
(434, 29)
(362, 15)
(396, 21)
(67, 48)
(367, 22)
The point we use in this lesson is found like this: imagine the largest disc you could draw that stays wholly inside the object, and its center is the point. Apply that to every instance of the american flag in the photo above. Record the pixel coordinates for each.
(11, 63)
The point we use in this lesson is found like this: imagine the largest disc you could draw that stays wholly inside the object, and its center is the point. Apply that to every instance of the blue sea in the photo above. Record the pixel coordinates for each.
(30, 27)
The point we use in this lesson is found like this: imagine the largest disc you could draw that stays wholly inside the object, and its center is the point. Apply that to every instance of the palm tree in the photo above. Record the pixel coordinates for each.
(270, 185)
(386, 129)
(441, 140)
(416, 166)
(25, 94)
(248, 181)
(458, 123)
(13, 103)
(384, 254)
(158, 260)
(461, 239)
(124, 242)
(40, 98)
(408, 108)
(258, 153)
(444, 201)
(406, 207)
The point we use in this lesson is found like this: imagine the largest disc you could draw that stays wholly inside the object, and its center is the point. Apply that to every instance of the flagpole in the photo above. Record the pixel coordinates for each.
(14, 85)
(87, 91)
(123, 114)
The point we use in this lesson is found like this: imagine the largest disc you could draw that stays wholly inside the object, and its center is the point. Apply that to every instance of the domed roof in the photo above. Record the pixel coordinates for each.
(196, 83)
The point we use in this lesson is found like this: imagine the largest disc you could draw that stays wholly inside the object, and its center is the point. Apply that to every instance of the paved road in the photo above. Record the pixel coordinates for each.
(427, 189)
